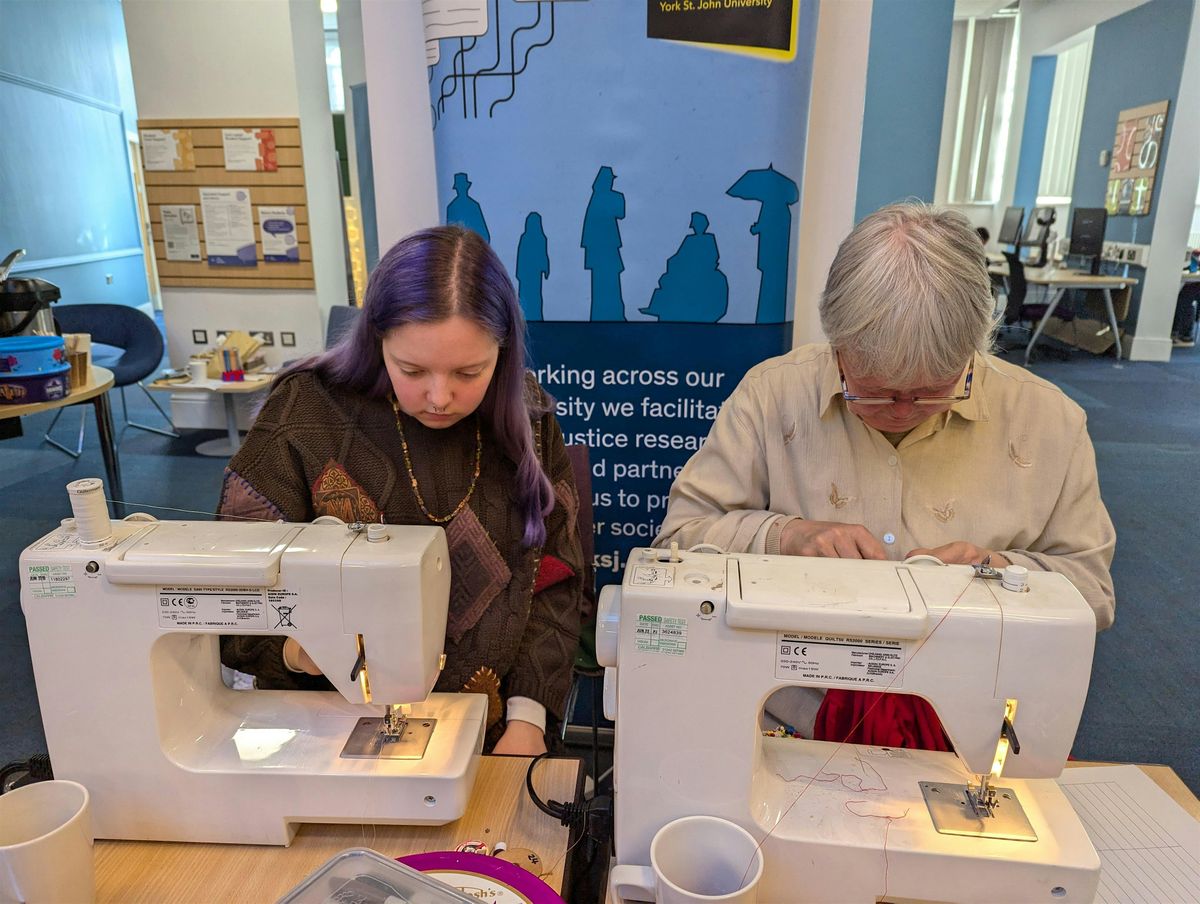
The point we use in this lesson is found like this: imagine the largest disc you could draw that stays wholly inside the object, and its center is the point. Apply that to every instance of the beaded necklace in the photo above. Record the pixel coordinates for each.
(438, 519)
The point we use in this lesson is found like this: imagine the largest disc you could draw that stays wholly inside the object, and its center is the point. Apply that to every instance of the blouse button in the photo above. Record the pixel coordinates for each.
(892, 459)
(889, 538)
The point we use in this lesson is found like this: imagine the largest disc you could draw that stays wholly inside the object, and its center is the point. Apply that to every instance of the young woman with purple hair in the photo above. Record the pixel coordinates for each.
(424, 414)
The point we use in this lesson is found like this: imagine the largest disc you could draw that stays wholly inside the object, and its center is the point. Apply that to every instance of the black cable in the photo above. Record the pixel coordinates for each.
(36, 769)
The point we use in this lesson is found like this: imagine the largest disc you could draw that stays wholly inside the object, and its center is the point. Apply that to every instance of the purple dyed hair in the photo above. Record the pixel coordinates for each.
(429, 277)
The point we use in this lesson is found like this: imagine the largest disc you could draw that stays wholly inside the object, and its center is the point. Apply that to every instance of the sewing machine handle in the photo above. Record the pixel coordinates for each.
(626, 879)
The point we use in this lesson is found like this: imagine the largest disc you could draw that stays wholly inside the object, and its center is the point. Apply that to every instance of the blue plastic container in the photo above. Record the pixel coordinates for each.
(16, 389)
(27, 356)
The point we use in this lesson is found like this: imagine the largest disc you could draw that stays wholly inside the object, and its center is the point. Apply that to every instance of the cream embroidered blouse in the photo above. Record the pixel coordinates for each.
(1010, 469)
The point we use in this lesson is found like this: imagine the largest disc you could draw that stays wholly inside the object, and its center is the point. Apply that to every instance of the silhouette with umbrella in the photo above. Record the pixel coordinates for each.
(776, 193)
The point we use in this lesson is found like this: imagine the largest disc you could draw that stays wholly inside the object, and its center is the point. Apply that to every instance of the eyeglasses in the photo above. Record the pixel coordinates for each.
(916, 400)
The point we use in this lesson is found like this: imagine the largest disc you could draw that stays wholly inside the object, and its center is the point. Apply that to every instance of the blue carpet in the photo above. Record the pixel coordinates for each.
(1144, 419)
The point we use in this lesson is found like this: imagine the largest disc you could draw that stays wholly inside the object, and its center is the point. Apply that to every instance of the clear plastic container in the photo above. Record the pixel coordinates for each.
(362, 876)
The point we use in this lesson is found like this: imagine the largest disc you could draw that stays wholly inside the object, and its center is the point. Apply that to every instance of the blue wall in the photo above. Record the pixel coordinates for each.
(1033, 133)
(66, 192)
(1137, 58)
(906, 87)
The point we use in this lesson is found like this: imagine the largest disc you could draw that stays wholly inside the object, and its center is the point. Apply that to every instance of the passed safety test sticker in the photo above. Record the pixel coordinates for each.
(869, 661)
(49, 581)
(661, 634)
(211, 607)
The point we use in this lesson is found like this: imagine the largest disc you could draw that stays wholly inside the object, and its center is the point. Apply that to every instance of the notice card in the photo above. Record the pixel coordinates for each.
(252, 150)
(180, 233)
(1149, 846)
(228, 227)
(167, 150)
(279, 235)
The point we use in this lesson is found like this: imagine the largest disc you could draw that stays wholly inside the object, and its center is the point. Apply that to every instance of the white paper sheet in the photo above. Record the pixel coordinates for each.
(159, 149)
(180, 234)
(228, 227)
(1149, 846)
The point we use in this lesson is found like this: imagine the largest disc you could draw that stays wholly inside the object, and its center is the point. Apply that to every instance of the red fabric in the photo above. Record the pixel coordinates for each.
(887, 720)
(551, 571)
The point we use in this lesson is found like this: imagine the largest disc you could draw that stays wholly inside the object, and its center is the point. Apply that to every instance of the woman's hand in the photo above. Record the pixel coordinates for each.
(830, 540)
(521, 739)
(295, 659)
(960, 552)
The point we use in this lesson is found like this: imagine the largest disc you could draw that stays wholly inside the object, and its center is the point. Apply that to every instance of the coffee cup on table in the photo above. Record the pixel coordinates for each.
(46, 844)
(197, 370)
(694, 860)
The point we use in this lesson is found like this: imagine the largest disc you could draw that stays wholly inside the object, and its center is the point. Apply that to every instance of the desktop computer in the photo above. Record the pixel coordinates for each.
(1037, 233)
(1087, 234)
(1010, 226)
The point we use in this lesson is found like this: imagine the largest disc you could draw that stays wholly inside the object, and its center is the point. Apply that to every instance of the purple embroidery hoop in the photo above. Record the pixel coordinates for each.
(529, 887)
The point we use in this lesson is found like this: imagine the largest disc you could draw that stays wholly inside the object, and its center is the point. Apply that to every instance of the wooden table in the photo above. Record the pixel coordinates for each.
(220, 448)
(1059, 281)
(95, 390)
(500, 810)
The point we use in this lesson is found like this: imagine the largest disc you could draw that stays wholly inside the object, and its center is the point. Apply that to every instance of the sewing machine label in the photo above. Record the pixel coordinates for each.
(652, 576)
(51, 581)
(660, 634)
(211, 607)
(865, 661)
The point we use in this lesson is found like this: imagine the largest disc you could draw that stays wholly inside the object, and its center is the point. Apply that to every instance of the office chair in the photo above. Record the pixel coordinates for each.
(341, 319)
(141, 343)
(586, 669)
(1017, 289)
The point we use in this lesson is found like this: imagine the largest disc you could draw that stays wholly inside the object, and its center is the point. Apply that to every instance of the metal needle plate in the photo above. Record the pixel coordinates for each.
(952, 815)
(366, 741)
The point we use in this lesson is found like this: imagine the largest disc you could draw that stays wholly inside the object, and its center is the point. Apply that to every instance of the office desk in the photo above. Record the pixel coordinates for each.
(100, 381)
(219, 448)
(1057, 282)
(500, 810)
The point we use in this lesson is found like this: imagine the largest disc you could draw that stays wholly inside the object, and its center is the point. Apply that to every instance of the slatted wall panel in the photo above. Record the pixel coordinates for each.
(283, 187)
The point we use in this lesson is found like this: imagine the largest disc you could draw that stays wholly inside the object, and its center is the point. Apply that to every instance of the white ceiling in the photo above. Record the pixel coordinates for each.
(976, 9)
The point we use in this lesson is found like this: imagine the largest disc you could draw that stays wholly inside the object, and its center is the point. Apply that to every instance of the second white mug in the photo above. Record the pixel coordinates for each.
(694, 860)
(46, 844)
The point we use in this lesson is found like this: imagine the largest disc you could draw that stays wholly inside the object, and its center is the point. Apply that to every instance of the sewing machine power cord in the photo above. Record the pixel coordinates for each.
(593, 816)
(24, 772)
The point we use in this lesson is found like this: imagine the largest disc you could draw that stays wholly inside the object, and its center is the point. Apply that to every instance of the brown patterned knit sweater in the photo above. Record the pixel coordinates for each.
(317, 449)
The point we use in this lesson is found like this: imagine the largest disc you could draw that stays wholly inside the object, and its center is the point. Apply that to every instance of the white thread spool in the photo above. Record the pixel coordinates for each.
(90, 510)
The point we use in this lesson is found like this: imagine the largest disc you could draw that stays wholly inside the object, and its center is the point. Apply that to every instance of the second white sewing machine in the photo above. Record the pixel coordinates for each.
(124, 619)
(696, 643)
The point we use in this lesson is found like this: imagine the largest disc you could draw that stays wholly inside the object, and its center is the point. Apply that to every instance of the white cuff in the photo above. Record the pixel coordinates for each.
(523, 709)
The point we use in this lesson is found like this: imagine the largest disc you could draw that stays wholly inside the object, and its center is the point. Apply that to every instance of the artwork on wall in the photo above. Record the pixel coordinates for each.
(1137, 147)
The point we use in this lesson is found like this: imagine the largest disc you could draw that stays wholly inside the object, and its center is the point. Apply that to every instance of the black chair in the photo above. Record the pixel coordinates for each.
(141, 344)
(1014, 304)
(341, 318)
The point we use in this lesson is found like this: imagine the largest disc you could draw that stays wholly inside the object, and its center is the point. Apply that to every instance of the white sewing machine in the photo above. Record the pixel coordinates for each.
(124, 619)
(695, 644)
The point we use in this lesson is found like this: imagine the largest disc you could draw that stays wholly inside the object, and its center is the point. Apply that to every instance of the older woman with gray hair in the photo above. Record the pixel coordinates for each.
(902, 435)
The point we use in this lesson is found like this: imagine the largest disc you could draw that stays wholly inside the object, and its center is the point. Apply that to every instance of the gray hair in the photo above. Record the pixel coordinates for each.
(908, 296)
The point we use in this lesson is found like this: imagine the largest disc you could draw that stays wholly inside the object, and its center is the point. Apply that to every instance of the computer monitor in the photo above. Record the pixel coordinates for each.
(1087, 234)
(1010, 226)
(1037, 230)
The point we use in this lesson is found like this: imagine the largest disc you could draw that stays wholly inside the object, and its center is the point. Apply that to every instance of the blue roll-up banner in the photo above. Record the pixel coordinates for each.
(637, 168)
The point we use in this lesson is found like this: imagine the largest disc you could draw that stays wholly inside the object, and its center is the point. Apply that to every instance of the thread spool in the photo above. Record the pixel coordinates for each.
(90, 510)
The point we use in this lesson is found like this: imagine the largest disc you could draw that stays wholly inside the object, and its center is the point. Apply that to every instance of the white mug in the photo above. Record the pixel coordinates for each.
(197, 370)
(46, 844)
(694, 860)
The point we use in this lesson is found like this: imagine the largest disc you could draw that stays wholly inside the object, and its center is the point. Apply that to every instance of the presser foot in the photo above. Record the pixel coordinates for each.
(369, 740)
(953, 811)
